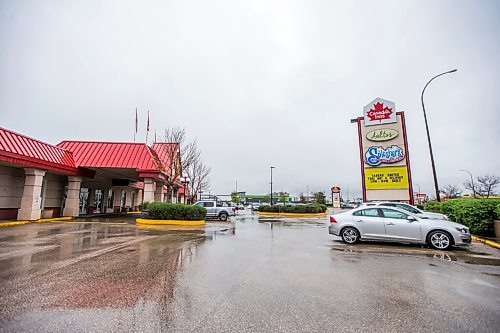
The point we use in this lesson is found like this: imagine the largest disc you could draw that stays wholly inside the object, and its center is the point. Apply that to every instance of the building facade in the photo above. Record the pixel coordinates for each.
(40, 180)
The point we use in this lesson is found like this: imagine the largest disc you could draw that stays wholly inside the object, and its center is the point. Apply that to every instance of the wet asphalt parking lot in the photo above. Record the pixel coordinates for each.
(250, 275)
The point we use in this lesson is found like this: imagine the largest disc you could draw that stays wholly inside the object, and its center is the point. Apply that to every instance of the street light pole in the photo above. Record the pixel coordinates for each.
(471, 182)
(272, 185)
(436, 186)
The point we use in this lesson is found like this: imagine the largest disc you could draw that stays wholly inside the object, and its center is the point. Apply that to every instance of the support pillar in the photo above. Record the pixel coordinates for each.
(149, 195)
(71, 207)
(91, 202)
(117, 201)
(31, 200)
(104, 205)
(139, 199)
(159, 192)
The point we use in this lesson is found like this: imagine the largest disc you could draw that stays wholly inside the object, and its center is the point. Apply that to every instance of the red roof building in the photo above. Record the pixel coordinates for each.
(18, 149)
(80, 177)
(117, 155)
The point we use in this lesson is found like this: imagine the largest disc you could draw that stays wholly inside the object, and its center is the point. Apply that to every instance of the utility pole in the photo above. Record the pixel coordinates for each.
(436, 186)
(272, 185)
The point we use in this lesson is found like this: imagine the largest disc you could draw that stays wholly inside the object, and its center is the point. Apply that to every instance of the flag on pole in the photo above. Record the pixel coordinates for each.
(147, 129)
(136, 121)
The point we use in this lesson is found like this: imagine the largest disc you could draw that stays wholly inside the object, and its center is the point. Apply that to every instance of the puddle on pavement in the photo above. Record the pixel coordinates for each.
(457, 255)
(294, 222)
(482, 261)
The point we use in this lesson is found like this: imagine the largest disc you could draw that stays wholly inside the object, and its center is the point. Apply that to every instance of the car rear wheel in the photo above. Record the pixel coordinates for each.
(350, 235)
(223, 216)
(439, 240)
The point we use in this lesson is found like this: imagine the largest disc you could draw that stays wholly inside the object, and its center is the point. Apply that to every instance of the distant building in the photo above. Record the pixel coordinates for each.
(264, 198)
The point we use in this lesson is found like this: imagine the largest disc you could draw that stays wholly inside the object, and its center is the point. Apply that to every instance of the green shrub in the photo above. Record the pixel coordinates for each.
(171, 211)
(298, 209)
(477, 214)
(497, 211)
(144, 205)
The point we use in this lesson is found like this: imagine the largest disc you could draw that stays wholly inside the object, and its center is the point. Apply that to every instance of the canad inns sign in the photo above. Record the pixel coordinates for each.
(385, 163)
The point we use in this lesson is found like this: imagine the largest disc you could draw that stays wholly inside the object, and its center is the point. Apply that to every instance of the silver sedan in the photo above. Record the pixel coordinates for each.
(393, 224)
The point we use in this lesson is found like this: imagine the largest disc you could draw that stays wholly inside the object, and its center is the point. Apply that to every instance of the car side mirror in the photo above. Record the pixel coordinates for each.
(411, 219)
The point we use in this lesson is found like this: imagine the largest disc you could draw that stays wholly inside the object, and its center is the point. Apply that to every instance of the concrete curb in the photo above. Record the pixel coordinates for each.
(14, 223)
(487, 242)
(55, 219)
(169, 222)
(292, 214)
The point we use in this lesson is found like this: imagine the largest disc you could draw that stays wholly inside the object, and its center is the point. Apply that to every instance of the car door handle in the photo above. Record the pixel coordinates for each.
(390, 223)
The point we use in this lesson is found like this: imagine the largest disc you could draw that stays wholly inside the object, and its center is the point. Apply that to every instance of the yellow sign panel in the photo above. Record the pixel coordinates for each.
(386, 178)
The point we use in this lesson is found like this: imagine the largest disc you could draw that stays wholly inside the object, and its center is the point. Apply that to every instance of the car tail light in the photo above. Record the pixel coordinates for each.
(332, 219)
(234, 210)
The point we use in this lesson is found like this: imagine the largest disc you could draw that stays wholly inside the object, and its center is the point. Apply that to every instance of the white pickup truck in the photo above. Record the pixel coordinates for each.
(216, 210)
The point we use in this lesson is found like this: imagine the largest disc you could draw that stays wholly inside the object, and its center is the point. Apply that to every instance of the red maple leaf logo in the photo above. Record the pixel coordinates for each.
(379, 112)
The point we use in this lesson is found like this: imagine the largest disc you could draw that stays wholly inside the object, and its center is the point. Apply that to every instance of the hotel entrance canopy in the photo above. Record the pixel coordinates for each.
(117, 160)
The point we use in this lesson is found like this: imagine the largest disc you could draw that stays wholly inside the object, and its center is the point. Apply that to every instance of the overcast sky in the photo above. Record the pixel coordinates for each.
(259, 83)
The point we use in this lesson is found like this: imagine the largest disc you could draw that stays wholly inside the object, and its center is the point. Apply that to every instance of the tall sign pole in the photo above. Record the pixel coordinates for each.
(384, 155)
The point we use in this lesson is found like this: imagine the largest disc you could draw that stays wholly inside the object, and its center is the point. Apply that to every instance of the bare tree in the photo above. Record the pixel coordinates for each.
(470, 185)
(180, 153)
(198, 174)
(487, 184)
(450, 191)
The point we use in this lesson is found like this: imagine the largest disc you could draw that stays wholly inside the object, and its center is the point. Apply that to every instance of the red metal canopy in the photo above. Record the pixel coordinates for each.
(22, 150)
(165, 151)
(113, 155)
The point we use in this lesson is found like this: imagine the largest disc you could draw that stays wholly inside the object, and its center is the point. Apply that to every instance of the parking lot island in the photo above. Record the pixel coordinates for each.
(310, 210)
(173, 214)
(169, 222)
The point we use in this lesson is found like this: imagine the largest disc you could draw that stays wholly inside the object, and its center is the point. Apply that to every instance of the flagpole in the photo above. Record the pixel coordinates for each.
(147, 129)
(135, 129)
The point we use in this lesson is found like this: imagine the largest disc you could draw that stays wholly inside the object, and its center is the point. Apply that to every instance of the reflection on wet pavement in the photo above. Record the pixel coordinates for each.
(252, 274)
(462, 255)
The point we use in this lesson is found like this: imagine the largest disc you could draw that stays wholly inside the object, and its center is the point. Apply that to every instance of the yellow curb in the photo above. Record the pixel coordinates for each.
(10, 224)
(169, 227)
(170, 222)
(487, 242)
(55, 219)
(95, 222)
(134, 212)
(293, 214)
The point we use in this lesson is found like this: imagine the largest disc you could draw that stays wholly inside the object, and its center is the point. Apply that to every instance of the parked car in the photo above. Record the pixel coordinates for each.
(255, 206)
(216, 210)
(409, 208)
(346, 205)
(240, 206)
(384, 223)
